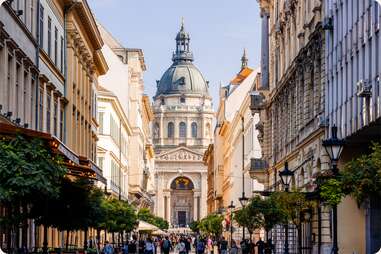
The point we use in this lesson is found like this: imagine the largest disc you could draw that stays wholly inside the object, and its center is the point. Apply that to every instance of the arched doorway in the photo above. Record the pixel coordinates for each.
(181, 201)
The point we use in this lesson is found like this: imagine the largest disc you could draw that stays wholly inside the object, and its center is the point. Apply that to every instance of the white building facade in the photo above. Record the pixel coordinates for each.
(182, 131)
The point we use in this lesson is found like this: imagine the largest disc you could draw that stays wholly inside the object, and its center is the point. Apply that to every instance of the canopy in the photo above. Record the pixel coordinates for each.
(159, 232)
(145, 226)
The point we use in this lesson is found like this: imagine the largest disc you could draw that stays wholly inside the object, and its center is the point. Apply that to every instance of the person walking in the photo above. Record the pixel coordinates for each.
(180, 247)
(149, 246)
(187, 242)
(108, 249)
(166, 245)
(223, 246)
(132, 245)
(233, 248)
(260, 246)
(200, 246)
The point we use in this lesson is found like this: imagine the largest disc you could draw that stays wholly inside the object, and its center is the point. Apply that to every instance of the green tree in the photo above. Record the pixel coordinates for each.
(360, 178)
(251, 216)
(211, 224)
(28, 170)
(194, 226)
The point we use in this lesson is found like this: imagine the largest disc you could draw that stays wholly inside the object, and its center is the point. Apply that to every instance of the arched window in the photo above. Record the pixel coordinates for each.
(194, 130)
(171, 128)
(183, 130)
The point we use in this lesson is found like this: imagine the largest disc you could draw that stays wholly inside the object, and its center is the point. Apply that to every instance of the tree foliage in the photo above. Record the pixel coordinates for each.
(194, 226)
(251, 216)
(211, 224)
(28, 170)
(360, 178)
(119, 216)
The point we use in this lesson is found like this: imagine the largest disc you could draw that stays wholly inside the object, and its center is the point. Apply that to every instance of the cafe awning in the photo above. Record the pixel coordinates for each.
(145, 226)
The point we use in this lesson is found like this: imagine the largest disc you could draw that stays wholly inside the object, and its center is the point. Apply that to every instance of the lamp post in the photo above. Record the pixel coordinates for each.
(334, 147)
(231, 207)
(243, 199)
(286, 176)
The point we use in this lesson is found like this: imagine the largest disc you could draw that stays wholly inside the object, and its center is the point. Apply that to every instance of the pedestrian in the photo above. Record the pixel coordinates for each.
(125, 248)
(245, 246)
(166, 245)
(200, 246)
(188, 244)
(223, 246)
(260, 245)
(269, 247)
(108, 249)
(132, 245)
(149, 246)
(233, 248)
(180, 247)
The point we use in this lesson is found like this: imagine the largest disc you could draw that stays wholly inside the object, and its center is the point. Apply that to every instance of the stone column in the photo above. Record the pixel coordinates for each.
(195, 205)
(161, 131)
(169, 212)
(204, 185)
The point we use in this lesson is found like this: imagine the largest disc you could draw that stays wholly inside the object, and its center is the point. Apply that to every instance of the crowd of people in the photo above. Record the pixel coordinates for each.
(184, 244)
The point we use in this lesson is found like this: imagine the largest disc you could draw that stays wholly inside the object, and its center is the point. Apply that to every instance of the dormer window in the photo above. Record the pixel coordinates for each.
(182, 99)
(162, 101)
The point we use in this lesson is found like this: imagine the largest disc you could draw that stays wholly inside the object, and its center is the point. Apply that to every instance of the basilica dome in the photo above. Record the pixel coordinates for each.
(182, 77)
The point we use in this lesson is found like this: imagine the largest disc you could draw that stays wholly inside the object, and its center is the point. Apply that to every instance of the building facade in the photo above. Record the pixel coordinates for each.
(124, 81)
(235, 144)
(37, 88)
(292, 120)
(182, 131)
(352, 56)
(112, 147)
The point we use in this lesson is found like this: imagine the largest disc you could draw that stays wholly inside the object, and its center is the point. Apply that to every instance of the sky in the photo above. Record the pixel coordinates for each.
(219, 31)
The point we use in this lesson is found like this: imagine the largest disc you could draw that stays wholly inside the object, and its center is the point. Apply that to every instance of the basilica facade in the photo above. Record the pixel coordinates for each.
(182, 131)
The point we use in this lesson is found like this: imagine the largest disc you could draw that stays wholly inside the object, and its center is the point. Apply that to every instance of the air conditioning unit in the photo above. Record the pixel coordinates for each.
(323, 121)
(328, 24)
(277, 27)
(364, 88)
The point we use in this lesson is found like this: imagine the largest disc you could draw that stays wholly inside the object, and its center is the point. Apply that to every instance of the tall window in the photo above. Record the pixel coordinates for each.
(183, 130)
(55, 118)
(48, 101)
(171, 128)
(41, 108)
(49, 37)
(18, 68)
(55, 46)
(61, 124)
(62, 55)
(194, 130)
(41, 26)
(101, 122)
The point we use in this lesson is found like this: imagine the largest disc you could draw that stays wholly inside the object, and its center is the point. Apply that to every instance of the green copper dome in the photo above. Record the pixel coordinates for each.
(182, 77)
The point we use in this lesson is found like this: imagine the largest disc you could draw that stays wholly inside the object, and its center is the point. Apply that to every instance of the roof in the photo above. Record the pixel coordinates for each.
(241, 76)
(182, 78)
(238, 94)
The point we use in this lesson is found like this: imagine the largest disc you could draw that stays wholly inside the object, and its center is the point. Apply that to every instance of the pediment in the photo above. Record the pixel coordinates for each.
(180, 154)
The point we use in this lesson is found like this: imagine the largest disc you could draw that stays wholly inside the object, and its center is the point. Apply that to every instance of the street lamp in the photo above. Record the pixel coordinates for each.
(243, 199)
(334, 147)
(286, 176)
(231, 207)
